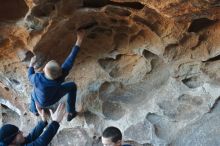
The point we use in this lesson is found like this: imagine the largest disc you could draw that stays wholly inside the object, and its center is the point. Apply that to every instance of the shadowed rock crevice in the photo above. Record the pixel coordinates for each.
(4, 86)
(14, 81)
(155, 120)
(111, 10)
(11, 106)
(146, 23)
(124, 65)
(216, 58)
(170, 51)
(137, 144)
(43, 10)
(216, 103)
(24, 55)
(149, 55)
(12, 10)
(193, 82)
(200, 24)
(102, 3)
(201, 39)
(9, 116)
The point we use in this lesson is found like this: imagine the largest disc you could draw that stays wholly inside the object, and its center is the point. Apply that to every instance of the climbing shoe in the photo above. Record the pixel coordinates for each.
(70, 116)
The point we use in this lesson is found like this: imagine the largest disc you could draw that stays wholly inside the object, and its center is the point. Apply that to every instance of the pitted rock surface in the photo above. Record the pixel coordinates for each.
(149, 67)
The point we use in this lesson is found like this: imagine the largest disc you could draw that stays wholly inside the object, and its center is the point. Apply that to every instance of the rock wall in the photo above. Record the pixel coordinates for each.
(148, 67)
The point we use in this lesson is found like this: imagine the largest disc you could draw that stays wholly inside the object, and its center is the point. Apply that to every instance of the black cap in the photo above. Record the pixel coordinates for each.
(8, 133)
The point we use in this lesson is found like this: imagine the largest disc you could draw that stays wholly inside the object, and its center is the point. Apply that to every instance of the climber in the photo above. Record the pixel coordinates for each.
(49, 86)
(112, 137)
(10, 135)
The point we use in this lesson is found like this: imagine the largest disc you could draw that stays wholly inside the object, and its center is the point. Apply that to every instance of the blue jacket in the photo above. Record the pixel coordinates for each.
(45, 91)
(36, 139)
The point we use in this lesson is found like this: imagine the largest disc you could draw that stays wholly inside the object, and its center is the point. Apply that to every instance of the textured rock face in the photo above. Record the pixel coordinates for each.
(148, 67)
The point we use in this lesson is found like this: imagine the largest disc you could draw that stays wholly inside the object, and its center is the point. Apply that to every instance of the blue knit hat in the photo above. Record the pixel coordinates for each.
(8, 133)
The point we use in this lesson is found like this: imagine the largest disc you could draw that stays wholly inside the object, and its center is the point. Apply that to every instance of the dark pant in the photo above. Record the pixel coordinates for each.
(68, 88)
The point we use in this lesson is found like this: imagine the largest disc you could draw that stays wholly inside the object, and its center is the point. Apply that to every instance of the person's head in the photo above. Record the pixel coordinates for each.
(52, 70)
(111, 136)
(11, 135)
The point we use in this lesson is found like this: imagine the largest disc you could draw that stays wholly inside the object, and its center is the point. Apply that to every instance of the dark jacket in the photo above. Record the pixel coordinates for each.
(36, 138)
(45, 90)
